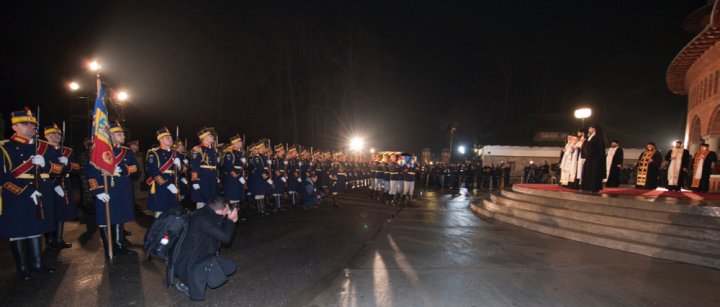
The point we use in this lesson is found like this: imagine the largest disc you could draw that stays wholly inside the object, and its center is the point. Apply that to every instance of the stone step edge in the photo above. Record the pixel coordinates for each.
(715, 247)
(710, 211)
(710, 219)
(691, 228)
(604, 241)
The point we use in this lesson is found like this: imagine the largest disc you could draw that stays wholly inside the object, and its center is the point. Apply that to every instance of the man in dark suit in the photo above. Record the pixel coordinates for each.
(198, 264)
(593, 151)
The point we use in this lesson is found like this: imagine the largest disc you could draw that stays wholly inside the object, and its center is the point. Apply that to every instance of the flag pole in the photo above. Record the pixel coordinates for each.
(108, 229)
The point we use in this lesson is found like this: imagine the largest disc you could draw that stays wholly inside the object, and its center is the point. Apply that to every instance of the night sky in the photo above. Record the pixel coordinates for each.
(314, 73)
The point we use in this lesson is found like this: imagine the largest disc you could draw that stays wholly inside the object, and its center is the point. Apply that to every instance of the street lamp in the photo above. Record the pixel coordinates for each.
(356, 143)
(122, 96)
(461, 149)
(372, 150)
(582, 114)
(94, 66)
(74, 86)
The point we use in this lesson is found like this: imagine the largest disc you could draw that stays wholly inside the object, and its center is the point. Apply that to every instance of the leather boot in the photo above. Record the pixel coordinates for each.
(36, 257)
(59, 236)
(19, 252)
(119, 246)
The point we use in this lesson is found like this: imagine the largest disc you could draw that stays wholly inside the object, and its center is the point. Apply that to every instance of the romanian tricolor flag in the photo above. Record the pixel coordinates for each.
(102, 156)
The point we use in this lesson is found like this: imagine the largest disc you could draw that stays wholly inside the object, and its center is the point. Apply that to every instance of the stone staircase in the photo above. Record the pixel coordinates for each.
(678, 232)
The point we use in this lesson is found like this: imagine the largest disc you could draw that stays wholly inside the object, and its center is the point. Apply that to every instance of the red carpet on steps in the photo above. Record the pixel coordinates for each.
(622, 191)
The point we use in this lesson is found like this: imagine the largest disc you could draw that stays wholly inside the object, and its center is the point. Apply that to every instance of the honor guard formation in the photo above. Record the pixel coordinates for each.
(259, 179)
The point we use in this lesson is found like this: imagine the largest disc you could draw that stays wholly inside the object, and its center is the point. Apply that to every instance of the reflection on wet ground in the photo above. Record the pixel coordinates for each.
(440, 254)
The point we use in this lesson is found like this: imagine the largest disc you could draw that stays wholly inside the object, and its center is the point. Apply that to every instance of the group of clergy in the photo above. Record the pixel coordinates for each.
(585, 165)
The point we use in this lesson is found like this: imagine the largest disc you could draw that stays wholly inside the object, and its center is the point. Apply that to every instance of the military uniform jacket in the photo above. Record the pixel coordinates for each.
(258, 166)
(304, 166)
(293, 175)
(122, 200)
(162, 172)
(409, 173)
(184, 175)
(17, 209)
(64, 205)
(279, 181)
(339, 177)
(204, 173)
(233, 175)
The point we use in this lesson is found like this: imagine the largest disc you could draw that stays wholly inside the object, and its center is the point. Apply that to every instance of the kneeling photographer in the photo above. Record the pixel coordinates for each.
(198, 263)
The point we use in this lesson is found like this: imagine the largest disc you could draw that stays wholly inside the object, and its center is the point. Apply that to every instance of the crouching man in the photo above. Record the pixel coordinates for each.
(198, 264)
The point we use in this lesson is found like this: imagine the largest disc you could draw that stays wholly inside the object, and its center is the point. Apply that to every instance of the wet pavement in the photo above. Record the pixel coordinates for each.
(436, 253)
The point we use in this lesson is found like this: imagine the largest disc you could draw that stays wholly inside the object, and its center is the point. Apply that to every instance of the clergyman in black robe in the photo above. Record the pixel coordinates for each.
(702, 166)
(614, 161)
(593, 151)
(648, 166)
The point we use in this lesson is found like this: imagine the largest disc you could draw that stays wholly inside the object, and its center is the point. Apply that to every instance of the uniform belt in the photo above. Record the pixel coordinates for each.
(207, 166)
(31, 176)
(410, 173)
(238, 167)
(318, 169)
(393, 173)
(343, 174)
(169, 172)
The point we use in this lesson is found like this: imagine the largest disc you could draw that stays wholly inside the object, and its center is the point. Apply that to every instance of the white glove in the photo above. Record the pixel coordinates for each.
(300, 180)
(300, 163)
(59, 191)
(63, 160)
(35, 196)
(177, 162)
(243, 160)
(269, 181)
(172, 188)
(118, 169)
(38, 160)
(103, 197)
(269, 161)
(242, 180)
(186, 161)
(283, 179)
(196, 186)
(183, 180)
(285, 162)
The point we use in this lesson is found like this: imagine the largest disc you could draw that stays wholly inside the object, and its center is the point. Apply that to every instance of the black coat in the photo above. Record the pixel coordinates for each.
(613, 178)
(206, 231)
(593, 151)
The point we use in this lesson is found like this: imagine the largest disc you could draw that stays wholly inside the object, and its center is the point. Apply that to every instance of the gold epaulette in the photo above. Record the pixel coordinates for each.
(3, 142)
(197, 149)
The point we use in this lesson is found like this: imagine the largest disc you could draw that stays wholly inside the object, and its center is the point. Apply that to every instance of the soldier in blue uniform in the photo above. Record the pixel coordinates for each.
(19, 220)
(278, 165)
(396, 180)
(234, 182)
(338, 176)
(120, 192)
(294, 180)
(48, 225)
(204, 169)
(305, 164)
(387, 169)
(184, 184)
(409, 178)
(62, 198)
(258, 175)
(163, 167)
